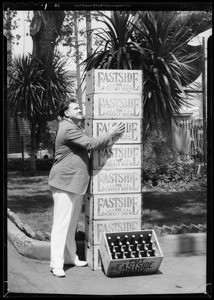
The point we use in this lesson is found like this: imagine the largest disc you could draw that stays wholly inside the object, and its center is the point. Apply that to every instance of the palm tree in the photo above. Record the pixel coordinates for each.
(34, 90)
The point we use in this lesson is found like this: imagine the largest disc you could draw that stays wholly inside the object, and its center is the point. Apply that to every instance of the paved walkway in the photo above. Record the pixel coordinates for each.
(178, 274)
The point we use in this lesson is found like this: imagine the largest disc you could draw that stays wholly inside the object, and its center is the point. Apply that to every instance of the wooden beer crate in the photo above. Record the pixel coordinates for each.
(113, 206)
(123, 265)
(95, 229)
(116, 106)
(115, 181)
(120, 156)
(132, 133)
(114, 81)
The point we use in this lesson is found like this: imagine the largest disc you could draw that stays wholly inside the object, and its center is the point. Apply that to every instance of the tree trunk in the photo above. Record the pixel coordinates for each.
(33, 150)
(44, 30)
(79, 91)
(88, 32)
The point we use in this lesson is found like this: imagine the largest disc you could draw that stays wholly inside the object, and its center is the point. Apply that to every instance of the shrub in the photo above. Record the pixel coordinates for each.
(16, 164)
(177, 175)
(44, 164)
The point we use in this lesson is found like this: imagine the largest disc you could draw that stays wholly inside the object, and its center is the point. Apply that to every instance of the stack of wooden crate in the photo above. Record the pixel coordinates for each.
(114, 198)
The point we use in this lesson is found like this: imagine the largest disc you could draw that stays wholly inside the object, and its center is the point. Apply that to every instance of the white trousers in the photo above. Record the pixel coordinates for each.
(67, 209)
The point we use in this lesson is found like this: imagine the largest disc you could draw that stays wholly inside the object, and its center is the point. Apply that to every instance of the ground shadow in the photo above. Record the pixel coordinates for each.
(171, 208)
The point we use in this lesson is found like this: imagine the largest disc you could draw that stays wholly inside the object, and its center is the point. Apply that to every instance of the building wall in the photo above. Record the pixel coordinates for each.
(16, 129)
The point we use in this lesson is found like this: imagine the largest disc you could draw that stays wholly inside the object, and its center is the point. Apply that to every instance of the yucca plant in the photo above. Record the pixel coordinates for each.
(169, 65)
(115, 48)
(35, 90)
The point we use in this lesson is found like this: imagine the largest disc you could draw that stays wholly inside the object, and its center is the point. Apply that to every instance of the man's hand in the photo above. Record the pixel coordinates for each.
(117, 129)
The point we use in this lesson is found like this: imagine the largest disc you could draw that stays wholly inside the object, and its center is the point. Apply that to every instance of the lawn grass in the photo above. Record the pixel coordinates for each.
(174, 208)
(31, 200)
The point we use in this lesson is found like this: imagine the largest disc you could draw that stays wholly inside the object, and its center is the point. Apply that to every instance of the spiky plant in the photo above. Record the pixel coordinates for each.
(115, 50)
(169, 65)
(35, 90)
(154, 43)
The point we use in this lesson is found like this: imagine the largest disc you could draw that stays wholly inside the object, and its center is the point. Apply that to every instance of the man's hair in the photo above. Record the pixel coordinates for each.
(63, 106)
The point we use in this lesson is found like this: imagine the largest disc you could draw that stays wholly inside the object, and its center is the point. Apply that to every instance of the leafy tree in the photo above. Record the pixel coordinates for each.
(47, 31)
(199, 21)
(10, 23)
(77, 40)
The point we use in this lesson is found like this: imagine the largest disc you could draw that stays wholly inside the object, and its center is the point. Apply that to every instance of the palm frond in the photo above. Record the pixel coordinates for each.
(35, 88)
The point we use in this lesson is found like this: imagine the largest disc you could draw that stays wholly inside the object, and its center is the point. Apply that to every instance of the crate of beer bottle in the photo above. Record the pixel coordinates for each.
(130, 253)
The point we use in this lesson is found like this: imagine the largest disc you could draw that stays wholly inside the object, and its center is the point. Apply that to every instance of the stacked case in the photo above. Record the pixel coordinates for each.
(114, 198)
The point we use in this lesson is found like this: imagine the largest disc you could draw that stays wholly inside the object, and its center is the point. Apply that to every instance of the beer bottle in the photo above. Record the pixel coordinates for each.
(117, 240)
(138, 253)
(148, 239)
(114, 255)
(132, 255)
(132, 239)
(144, 246)
(140, 240)
(128, 255)
(136, 246)
(146, 253)
(152, 245)
(152, 252)
(128, 247)
(120, 246)
(109, 240)
(121, 255)
(125, 239)
(113, 251)
(111, 246)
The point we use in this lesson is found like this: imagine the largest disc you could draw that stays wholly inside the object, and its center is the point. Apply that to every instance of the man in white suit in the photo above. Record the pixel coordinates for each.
(69, 179)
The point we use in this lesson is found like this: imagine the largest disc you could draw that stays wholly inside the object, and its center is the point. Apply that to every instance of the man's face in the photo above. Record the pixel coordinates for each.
(74, 112)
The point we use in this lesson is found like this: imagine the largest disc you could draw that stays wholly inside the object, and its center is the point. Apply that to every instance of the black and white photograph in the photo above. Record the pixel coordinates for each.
(107, 149)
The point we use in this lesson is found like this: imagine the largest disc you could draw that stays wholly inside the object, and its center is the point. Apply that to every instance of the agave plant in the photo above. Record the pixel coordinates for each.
(35, 90)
